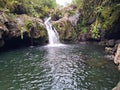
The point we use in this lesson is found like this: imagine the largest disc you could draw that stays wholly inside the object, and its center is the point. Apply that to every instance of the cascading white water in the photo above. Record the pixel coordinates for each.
(52, 33)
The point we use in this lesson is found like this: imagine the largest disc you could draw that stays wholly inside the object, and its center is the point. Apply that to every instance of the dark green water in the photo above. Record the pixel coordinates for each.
(71, 67)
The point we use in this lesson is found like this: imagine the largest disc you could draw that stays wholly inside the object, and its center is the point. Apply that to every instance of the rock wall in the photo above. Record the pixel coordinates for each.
(117, 61)
(65, 29)
(20, 26)
(117, 57)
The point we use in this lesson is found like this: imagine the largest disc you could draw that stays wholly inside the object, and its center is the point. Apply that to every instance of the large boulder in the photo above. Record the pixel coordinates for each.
(32, 25)
(20, 26)
(3, 30)
(117, 87)
(65, 29)
(117, 57)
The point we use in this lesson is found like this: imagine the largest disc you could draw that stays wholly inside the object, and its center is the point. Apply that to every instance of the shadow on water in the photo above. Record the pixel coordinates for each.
(70, 67)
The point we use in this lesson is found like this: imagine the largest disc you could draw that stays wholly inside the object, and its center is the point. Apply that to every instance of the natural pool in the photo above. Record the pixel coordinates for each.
(69, 67)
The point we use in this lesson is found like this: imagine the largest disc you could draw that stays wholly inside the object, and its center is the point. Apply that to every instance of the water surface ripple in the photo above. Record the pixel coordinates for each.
(69, 67)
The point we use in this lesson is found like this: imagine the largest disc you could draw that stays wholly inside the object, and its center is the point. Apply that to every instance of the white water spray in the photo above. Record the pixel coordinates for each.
(52, 34)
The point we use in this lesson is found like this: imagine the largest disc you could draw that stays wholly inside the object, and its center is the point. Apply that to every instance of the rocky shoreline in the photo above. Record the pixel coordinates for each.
(117, 87)
(113, 53)
(112, 50)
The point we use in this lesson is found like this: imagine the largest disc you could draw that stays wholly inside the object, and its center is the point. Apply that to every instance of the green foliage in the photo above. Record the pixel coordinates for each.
(31, 7)
(65, 30)
(79, 3)
(105, 12)
(81, 26)
(95, 31)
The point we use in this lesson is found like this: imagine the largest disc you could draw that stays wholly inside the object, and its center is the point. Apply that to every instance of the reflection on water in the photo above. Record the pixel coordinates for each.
(70, 67)
(62, 68)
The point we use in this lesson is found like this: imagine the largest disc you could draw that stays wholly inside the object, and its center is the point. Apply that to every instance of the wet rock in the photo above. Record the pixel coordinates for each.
(119, 67)
(109, 50)
(3, 29)
(74, 19)
(20, 26)
(14, 31)
(117, 55)
(111, 42)
(103, 43)
(109, 57)
(108, 43)
(3, 17)
(27, 26)
(84, 37)
(117, 42)
(2, 42)
(65, 29)
(3, 32)
(117, 87)
(115, 48)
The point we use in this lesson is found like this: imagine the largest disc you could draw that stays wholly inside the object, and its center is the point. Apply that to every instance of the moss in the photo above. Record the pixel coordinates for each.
(71, 12)
(31, 26)
(65, 30)
(105, 13)
(95, 29)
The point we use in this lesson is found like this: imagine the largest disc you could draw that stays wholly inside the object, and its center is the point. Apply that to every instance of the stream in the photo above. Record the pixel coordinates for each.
(69, 67)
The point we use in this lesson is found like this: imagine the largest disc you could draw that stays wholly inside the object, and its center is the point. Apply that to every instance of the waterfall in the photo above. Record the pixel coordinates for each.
(52, 33)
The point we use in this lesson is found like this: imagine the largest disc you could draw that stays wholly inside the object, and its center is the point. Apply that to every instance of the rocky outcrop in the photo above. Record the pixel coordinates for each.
(3, 29)
(117, 57)
(65, 29)
(117, 87)
(109, 51)
(20, 26)
(113, 53)
(110, 48)
(68, 31)
(108, 43)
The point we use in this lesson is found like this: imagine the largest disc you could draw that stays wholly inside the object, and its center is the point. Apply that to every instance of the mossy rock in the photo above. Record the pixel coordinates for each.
(33, 26)
(65, 29)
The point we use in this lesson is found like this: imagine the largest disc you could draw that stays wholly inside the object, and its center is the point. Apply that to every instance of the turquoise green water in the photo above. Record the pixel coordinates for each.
(70, 67)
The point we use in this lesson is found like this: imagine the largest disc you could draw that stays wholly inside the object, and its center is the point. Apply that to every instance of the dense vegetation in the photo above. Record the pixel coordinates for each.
(98, 15)
(37, 8)
(22, 18)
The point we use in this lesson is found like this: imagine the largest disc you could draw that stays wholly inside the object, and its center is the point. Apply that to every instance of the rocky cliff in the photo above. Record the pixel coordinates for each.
(20, 26)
